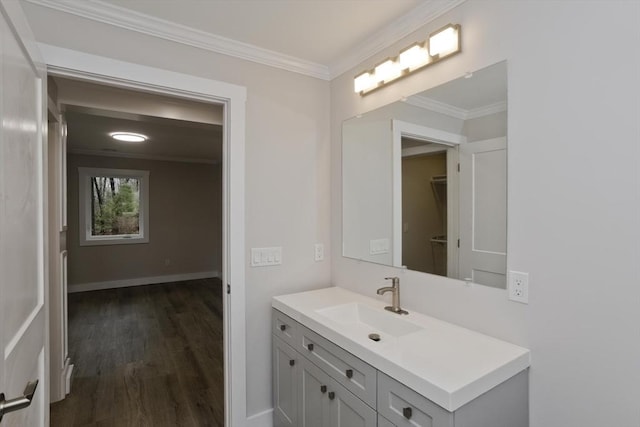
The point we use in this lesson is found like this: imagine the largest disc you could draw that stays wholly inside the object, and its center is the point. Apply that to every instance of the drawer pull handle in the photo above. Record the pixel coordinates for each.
(323, 389)
(283, 327)
(407, 412)
(310, 347)
(292, 362)
(349, 373)
(332, 395)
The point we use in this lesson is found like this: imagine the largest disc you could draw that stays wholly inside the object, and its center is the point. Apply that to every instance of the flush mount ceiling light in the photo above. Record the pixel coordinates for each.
(128, 136)
(441, 44)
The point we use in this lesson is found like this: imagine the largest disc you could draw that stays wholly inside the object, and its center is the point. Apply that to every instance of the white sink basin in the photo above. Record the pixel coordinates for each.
(366, 319)
(447, 364)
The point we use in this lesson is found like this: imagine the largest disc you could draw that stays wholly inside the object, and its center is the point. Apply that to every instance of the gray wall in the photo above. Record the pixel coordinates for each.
(575, 231)
(287, 164)
(185, 223)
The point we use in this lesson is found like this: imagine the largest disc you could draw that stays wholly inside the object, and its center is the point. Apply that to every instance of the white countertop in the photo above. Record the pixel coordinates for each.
(447, 364)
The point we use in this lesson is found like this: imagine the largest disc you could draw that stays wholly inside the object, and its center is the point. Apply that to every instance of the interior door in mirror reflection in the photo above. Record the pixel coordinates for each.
(483, 211)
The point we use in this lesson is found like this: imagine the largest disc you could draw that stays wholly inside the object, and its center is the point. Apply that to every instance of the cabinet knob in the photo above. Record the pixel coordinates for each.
(323, 389)
(310, 347)
(283, 327)
(349, 373)
(407, 412)
(332, 395)
(292, 362)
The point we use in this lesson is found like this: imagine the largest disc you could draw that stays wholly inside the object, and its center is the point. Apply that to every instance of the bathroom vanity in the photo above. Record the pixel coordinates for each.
(341, 360)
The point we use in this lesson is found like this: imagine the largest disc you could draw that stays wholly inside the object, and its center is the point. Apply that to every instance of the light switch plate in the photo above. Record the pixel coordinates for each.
(263, 257)
(378, 246)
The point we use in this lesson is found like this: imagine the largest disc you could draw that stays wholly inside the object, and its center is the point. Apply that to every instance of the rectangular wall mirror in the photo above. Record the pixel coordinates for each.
(424, 181)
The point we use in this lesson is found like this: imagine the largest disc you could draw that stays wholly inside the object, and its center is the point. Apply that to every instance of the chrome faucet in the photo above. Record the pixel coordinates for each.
(395, 295)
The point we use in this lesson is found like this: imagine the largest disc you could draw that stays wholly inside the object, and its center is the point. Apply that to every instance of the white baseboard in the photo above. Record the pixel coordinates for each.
(68, 374)
(140, 281)
(261, 419)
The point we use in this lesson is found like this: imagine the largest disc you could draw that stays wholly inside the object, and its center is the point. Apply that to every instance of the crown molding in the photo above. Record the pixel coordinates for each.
(437, 106)
(102, 153)
(456, 112)
(498, 107)
(139, 22)
(392, 33)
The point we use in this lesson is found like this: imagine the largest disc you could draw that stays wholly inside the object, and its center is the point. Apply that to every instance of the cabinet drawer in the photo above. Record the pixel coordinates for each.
(355, 375)
(285, 328)
(404, 407)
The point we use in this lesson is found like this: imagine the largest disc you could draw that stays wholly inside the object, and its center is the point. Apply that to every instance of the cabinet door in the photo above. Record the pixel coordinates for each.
(383, 422)
(285, 384)
(346, 410)
(313, 391)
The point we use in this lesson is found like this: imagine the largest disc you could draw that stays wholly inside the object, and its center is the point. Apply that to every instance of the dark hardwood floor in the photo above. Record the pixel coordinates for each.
(146, 356)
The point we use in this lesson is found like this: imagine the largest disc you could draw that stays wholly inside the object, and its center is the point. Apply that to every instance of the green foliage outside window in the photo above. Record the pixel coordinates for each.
(115, 208)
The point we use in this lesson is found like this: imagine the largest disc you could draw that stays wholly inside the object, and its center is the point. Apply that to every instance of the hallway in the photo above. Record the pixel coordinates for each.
(146, 356)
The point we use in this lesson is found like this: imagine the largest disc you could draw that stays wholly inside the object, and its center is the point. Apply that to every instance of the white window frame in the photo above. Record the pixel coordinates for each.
(84, 203)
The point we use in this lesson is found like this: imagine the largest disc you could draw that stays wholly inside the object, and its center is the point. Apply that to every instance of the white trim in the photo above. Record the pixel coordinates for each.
(85, 200)
(142, 156)
(67, 373)
(152, 26)
(423, 149)
(487, 110)
(423, 133)
(140, 281)
(392, 33)
(453, 111)
(437, 106)
(261, 419)
(98, 69)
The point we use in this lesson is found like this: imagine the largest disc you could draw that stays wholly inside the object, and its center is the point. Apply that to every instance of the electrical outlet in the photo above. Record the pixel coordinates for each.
(319, 252)
(519, 286)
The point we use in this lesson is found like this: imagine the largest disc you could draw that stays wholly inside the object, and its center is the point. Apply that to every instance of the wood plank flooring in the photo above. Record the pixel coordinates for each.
(146, 356)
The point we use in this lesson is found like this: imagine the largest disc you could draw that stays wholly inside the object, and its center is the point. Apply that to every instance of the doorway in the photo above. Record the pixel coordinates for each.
(145, 212)
(64, 63)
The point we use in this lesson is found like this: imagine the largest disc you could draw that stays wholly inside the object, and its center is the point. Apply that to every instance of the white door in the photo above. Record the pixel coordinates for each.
(22, 270)
(483, 211)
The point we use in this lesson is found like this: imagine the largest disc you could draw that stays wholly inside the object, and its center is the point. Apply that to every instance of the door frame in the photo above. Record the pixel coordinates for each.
(73, 64)
(400, 129)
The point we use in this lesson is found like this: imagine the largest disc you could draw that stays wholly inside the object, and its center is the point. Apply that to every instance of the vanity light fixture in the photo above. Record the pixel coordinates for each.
(441, 44)
(128, 136)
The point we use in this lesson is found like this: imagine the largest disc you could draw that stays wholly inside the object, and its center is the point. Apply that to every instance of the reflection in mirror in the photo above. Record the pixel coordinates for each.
(424, 181)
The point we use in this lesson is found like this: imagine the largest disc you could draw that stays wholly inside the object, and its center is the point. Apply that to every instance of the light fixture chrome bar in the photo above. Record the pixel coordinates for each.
(440, 44)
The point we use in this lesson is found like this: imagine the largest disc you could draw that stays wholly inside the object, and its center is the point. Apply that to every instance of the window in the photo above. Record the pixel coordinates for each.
(114, 206)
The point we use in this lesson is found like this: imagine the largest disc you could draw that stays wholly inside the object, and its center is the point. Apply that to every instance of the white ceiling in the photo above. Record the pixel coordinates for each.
(178, 130)
(321, 38)
(474, 95)
(484, 87)
(175, 140)
(315, 30)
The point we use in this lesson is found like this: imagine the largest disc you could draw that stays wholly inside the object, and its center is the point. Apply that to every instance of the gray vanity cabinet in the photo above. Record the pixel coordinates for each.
(319, 384)
(326, 403)
(383, 422)
(286, 367)
(404, 407)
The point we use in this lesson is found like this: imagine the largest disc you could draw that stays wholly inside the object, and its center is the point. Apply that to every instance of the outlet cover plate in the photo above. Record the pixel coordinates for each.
(519, 286)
